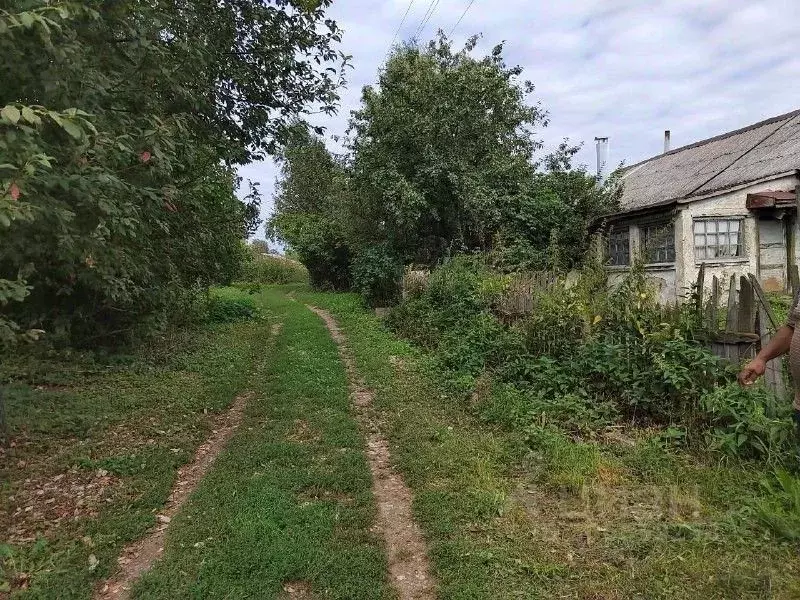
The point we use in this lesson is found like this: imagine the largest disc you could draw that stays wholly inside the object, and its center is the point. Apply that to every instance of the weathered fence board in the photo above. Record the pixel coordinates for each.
(749, 323)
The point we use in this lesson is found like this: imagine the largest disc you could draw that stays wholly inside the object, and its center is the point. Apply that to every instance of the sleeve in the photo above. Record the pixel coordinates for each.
(793, 318)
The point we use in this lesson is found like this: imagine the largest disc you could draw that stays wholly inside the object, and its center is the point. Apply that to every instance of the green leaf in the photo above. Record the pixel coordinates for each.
(27, 19)
(72, 129)
(30, 116)
(10, 113)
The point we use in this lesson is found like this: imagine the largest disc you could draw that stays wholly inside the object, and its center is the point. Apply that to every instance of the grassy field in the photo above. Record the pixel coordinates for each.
(289, 502)
(287, 506)
(510, 515)
(96, 445)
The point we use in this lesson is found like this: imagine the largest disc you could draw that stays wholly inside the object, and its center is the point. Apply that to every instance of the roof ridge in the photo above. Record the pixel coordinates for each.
(722, 136)
(743, 154)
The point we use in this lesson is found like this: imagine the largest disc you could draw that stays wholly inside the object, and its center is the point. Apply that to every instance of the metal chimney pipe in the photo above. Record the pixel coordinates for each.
(602, 158)
(666, 141)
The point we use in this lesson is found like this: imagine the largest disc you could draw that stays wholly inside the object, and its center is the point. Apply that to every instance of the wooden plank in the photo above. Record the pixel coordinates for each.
(762, 298)
(701, 282)
(731, 321)
(773, 377)
(713, 306)
(747, 307)
(794, 278)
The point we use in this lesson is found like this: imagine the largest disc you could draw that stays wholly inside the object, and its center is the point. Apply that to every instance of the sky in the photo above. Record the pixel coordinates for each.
(622, 69)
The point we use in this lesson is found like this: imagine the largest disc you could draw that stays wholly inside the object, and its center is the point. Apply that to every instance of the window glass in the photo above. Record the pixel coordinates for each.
(659, 243)
(717, 238)
(619, 247)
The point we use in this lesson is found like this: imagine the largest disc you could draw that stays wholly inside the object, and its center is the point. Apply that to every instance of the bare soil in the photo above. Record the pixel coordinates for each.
(297, 590)
(407, 555)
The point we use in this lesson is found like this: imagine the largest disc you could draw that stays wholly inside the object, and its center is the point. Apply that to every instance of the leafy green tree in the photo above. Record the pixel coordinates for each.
(120, 126)
(439, 146)
(312, 209)
(547, 226)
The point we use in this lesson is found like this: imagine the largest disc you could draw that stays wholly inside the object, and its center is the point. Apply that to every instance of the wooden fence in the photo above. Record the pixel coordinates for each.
(738, 328)
(518, 298)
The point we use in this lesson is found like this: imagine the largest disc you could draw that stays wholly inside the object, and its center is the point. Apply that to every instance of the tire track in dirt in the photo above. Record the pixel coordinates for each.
(406, 551)
(138, 557)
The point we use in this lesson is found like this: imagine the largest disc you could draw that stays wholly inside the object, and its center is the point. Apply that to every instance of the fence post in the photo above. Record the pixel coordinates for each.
(747, 311)
(773, 377)
(713, 305)
(701, 282)
(762, 298)
(733, 312)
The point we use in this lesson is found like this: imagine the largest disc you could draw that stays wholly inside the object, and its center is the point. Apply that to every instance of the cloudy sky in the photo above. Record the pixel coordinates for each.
(626, 69)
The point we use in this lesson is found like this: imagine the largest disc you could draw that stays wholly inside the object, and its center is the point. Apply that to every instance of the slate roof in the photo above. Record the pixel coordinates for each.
(768, 148)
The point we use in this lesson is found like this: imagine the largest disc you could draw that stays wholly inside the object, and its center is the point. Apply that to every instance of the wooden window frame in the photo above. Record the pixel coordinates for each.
(723, 228)
(664, 253)
(619, 247)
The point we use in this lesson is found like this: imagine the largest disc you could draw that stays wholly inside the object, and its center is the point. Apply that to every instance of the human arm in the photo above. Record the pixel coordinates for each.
(778, 346)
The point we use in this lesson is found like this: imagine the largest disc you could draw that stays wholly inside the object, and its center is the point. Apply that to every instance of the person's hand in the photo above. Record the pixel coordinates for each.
(752, 371)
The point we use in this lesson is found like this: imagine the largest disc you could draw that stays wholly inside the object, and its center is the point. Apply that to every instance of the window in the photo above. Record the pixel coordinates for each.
(717, 238)
(619, 247)
(659, 242)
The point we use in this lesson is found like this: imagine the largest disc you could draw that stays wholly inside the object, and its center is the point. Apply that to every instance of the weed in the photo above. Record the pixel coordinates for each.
(228, 305)
(780, 511)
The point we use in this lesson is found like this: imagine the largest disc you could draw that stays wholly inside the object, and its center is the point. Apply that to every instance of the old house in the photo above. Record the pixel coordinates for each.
(729, 202)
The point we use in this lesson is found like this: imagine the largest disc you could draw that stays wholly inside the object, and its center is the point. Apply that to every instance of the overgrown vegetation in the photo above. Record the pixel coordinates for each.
(575, 511)
(585, 356)
(120, 128)
(260, 268)
(439, 161)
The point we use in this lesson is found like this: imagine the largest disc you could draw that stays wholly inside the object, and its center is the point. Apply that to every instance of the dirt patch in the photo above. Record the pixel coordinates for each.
(409, 569)
(139, 556)
(43, 504)
(296, 590)
(303, 433)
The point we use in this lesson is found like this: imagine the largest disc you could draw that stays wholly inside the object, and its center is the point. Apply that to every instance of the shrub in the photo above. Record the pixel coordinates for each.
(268, 270)
(376, 276)
(749, 422)
(586, 357)
(228, 305)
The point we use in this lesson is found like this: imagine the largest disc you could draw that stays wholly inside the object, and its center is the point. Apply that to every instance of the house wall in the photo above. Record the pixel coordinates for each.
(675, 280)
(730, 204)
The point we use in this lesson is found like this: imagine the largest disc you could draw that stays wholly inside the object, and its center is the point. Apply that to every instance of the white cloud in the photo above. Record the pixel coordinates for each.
(627, 69)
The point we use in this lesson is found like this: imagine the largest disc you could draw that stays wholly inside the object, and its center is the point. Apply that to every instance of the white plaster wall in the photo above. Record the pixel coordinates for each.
(730, 204)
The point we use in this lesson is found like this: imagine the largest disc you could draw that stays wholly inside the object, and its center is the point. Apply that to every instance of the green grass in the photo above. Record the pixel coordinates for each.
(507, 513)
(290, 497)
(538, 514)
(136, 418)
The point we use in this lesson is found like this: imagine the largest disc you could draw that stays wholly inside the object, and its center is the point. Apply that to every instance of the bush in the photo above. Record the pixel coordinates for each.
(376, 276)
(586, 357)
(267, 270)
(228, 305)
(749, 422)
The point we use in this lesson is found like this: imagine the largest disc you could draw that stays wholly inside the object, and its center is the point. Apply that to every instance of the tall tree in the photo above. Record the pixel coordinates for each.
(439, 146)
(311, 209)
(120, 126)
